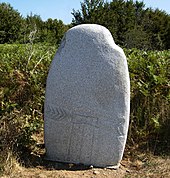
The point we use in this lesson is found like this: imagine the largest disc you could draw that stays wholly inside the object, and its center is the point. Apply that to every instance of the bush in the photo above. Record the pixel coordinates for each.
(150, 98)
(23, 71)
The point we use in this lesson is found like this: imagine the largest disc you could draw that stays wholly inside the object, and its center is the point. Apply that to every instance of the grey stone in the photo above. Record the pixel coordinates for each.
(87, 100)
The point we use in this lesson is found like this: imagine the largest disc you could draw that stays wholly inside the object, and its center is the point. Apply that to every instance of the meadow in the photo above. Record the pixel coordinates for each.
(23, 73)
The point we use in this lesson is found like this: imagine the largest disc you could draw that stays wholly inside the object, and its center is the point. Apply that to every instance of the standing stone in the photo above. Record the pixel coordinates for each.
(87, 99)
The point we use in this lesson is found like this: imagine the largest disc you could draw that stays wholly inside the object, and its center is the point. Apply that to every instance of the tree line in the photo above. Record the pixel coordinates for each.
(130, 22)
(32, 29)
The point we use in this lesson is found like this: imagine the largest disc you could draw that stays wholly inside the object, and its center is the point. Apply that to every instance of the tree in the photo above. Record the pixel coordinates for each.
(50, 31)
(157, 24)
(54, 31)
(10, 24)
(89, 12)
(32, 28)
(137, 38)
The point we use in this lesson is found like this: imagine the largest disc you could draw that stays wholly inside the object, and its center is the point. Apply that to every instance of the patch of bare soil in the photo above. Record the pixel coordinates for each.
(151, 167)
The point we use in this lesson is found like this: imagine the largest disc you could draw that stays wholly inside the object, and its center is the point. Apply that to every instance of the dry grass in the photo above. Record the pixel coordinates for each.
(11, 164)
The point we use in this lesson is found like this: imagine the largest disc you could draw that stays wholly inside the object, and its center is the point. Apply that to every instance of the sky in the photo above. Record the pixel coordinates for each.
(61, 9)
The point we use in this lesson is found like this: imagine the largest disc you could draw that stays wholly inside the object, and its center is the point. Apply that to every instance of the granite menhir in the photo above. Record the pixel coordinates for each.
(87, 100)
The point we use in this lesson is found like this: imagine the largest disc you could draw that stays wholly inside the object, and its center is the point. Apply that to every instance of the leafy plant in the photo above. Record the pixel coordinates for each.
(23, 71)
(150, 91)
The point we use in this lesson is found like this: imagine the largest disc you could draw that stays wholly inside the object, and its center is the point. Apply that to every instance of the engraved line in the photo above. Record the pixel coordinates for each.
(70, 140)
(64, 111)
(92, 145)
(57, 114)
(93, 125)
(82, 141)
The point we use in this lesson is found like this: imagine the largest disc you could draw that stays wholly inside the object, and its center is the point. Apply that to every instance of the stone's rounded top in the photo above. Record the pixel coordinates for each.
(91, 34)
(90, 28)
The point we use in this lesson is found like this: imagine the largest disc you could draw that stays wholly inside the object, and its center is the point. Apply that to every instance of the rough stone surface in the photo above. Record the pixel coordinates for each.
(87, 99)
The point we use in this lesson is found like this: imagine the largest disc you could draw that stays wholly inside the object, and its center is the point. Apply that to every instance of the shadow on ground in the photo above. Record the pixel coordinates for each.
(35, 159)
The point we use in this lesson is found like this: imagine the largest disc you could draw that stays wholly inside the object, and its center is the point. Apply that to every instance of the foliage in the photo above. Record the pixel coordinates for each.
(23, 71)
(131, 24)
(54, 30)
(50, 31)
(150, 98)
(10, 23)
(16, 29)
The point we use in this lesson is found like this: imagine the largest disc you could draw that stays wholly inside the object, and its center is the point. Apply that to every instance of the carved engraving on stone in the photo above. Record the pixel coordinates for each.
(59, 114)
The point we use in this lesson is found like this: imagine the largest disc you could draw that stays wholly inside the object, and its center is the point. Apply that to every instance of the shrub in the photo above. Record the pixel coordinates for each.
(150, 98)
(23, 71)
